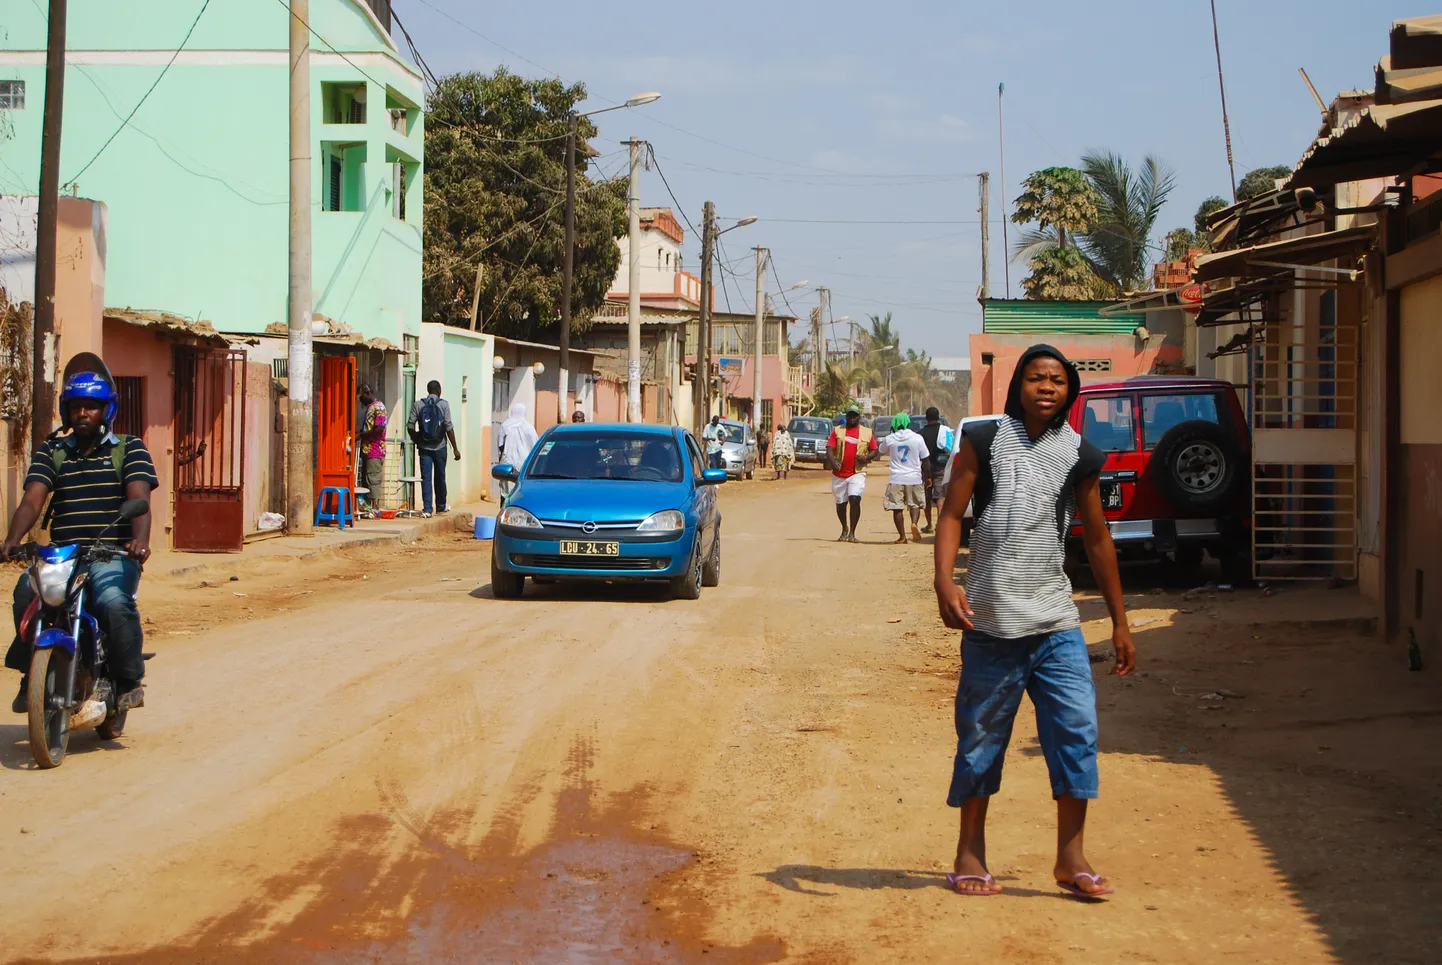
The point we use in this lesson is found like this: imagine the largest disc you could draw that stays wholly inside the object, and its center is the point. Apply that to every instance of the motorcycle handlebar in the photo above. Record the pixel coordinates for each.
(28, 552)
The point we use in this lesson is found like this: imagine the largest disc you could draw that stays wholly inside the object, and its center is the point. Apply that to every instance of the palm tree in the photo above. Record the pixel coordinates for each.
(1127, 205)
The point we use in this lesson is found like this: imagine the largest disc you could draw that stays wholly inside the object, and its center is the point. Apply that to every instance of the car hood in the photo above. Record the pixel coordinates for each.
(597, 500)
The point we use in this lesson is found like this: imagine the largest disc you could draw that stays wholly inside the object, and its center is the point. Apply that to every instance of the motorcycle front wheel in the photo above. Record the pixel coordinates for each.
(49, 718)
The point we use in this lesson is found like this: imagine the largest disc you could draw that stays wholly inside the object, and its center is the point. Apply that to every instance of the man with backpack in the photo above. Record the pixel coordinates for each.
(1030, 474)
(940, 441)
(87, 474)
(430, 427)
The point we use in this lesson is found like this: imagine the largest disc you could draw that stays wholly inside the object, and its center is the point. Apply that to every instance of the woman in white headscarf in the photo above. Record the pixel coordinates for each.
(518, 437)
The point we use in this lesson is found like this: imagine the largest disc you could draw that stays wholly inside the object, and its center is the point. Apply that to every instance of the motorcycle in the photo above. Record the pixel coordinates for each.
(70, 684)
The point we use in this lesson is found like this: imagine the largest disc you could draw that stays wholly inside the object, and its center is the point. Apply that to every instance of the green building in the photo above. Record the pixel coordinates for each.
(197, 182)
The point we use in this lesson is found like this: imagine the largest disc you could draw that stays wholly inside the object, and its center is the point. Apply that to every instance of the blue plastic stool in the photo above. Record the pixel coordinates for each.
(344, 507)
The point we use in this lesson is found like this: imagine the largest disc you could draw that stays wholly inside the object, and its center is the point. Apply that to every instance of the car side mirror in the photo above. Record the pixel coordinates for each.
(505, 472)
(134, 508)
(713, 477)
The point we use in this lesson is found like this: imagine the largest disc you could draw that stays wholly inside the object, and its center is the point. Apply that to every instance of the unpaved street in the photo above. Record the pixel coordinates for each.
(364, 758)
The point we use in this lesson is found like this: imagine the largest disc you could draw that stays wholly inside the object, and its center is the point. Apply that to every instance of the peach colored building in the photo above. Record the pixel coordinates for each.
(1104, 347)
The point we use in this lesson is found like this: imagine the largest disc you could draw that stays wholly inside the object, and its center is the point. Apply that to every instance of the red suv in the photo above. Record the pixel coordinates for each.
(1176, 479)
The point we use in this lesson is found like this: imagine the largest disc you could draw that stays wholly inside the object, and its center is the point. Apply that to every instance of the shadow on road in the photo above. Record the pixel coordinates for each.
(15, 746)
(791, 876)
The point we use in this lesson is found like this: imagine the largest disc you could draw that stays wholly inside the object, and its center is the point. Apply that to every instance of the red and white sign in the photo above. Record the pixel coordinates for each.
(1191, 296)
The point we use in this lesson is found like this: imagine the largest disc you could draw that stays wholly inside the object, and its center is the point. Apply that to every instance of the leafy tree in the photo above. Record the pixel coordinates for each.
(1260, 181)
(833, 390)
(1179, 242)
(1205, 210)
(495, 195)
(1127, 210)
(1063, 205)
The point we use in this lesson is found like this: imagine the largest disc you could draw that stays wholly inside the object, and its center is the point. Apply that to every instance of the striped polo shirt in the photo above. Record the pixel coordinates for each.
(87, 492)
(1014, 581)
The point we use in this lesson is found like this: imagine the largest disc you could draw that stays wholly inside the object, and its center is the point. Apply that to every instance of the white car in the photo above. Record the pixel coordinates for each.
(966, 522)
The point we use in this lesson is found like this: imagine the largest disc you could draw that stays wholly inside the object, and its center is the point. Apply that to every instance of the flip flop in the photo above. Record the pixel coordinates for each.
(988, 880)
(1072, 888)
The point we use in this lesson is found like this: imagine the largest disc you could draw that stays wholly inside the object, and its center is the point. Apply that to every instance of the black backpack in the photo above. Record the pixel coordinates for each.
(1089, 462)
(430, 424)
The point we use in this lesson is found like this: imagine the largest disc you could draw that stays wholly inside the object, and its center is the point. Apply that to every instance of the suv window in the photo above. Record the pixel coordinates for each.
(1108, 423)
(1162, 412)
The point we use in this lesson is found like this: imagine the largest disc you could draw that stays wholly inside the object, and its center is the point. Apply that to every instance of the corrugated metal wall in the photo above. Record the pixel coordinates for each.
(1027, 317)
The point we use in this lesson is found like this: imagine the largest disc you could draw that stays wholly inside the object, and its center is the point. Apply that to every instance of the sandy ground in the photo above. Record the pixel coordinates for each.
(364, 758)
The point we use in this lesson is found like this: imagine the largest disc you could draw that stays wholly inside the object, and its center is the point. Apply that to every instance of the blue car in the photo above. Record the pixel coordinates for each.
(610, 502)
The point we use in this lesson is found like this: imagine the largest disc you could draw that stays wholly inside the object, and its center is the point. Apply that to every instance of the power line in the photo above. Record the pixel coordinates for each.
(865, 222)
(164, 70)
(414, 51)
(679, 206)
(784, 297)
(494, 43)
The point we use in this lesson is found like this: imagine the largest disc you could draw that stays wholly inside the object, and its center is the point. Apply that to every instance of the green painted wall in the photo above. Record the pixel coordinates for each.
(197, 183)
(1028, 317)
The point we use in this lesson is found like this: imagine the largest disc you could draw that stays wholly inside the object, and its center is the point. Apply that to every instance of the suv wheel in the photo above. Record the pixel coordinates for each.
(1197, 467)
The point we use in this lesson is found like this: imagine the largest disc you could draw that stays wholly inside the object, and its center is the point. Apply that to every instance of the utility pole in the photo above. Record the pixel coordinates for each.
(42, 371)
(756, 352)
(300, 410)
(633, 286)
(1222, 86)
(476, 296)
(1005, 242)
(701, 387)
(985, 178)
(818, 337)
(564, 375)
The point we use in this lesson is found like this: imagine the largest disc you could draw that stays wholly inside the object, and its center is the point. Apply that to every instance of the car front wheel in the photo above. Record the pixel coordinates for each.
(688, 585)
(505, 585)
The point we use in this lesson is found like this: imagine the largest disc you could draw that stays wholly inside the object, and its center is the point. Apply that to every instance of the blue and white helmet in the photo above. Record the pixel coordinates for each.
(88, 385)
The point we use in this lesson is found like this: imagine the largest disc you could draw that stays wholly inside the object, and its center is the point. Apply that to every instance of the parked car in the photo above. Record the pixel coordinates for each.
(613, 502)
(739, 450)
(810, 435)
(1176, 479)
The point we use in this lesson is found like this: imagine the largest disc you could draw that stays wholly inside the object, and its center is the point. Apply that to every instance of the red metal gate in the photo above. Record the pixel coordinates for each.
(335, 416)
(209, 449)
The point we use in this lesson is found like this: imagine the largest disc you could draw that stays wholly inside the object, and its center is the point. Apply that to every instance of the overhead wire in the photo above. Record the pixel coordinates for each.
(415, 52)
(146, 96)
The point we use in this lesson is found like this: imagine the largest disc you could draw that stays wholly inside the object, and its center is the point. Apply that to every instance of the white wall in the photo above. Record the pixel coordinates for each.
(655, 278)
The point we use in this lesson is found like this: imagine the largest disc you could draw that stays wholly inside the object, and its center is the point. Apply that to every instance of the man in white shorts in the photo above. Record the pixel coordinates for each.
(907, 490)
(850, 448)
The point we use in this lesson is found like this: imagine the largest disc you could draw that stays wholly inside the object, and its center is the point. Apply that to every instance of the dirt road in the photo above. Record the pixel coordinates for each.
(364, 758)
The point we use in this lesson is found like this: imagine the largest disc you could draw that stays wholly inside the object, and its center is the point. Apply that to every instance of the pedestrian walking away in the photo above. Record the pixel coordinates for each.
(905, 490)
(783, 452)
(850, 448)
(1030, 474)
(763, 448)
(941, 441)
(430, 427)
(518, 438)
(714, 436)
(87, 474)
(373, 446)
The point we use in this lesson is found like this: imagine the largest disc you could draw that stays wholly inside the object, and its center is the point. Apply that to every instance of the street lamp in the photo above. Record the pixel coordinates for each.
(701, 385)
(562, 390)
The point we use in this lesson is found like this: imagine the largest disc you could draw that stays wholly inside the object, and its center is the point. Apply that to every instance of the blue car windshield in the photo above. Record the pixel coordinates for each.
(607, 454)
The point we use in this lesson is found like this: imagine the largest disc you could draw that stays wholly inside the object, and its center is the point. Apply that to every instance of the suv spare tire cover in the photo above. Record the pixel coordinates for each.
(1197, 467)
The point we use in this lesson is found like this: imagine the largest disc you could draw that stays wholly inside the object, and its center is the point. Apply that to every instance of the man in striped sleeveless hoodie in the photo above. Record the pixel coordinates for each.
(1031, 475)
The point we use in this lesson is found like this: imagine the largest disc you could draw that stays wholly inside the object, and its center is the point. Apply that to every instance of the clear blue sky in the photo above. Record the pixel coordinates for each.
(847, 111)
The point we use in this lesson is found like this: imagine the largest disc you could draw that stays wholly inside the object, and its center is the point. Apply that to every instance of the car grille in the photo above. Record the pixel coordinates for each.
(628, 563)
(805, 445)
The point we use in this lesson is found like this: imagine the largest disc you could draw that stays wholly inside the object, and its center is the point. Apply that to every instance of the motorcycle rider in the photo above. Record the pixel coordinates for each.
(88, 483)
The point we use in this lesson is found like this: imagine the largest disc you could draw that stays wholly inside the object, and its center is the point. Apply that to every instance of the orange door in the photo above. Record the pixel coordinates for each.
(335, 450)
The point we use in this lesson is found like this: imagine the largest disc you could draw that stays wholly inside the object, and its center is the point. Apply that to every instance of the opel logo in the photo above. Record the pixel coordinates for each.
(588, 527)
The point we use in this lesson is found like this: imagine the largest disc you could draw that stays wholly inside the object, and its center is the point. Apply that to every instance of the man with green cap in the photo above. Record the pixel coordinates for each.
(906, 489)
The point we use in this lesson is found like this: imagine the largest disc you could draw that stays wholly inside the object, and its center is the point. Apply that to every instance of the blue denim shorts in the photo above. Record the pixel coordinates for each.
(1053, 669)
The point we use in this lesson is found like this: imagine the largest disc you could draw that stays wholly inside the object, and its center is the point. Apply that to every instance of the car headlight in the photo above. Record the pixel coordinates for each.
(53, 578)
(516, 516)
(666, 521)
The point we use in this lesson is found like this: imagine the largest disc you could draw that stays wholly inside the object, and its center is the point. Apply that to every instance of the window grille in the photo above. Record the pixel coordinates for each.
(130, 410)
(12, 95)
(1093, 365)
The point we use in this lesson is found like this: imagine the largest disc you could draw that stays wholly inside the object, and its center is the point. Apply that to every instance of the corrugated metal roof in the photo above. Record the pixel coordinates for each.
(1029, 317)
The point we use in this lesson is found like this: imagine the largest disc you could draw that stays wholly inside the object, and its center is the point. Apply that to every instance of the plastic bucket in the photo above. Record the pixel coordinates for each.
(485, 527)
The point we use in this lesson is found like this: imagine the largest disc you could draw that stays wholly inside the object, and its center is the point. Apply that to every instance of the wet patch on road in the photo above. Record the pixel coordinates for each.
(598, 889)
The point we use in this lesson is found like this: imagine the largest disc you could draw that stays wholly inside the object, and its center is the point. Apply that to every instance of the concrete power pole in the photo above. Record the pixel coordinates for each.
(756, 350)
(818, 335)
(633, 287)
(564, 375)
(985, 212)
(43, 368)
(701, 386)
(300, 410)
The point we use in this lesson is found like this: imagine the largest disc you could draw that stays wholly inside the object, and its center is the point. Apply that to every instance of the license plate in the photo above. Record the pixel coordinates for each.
(1111, 496)
(571, 547)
